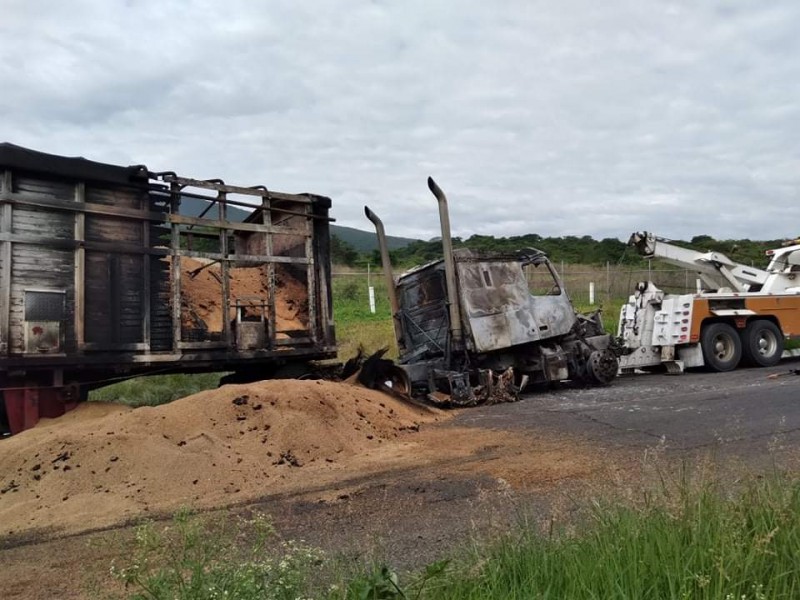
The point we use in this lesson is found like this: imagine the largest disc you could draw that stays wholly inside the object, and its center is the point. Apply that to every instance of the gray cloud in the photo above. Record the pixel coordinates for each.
(569, 118)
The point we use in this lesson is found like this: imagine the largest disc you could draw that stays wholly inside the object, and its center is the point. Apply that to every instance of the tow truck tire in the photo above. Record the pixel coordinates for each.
(722, 347)
(762, 343)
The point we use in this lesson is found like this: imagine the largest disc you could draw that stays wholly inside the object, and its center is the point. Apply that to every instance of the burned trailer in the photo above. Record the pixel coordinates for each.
(108, 272)
(479, 326)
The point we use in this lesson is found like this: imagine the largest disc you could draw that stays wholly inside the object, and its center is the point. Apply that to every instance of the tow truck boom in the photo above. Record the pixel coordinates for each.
(718, 271)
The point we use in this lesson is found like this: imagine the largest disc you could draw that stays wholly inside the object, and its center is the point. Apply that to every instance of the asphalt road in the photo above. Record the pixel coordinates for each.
(742, 412)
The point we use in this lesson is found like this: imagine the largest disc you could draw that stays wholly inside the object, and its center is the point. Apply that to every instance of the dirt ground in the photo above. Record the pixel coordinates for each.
(322, 458)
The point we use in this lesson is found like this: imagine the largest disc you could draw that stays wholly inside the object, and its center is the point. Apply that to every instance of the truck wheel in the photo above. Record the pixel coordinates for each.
(722, 348)
(762, 343)
(602, 367)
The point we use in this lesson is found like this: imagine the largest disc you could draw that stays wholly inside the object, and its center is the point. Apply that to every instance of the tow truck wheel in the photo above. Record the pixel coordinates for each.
(722, 348)
(762, 343)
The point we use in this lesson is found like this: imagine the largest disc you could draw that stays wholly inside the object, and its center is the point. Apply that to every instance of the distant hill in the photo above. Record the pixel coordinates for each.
(361, 241)
(367, 241)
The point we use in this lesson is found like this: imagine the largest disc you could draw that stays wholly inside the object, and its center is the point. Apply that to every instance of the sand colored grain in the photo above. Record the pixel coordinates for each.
(103, 463)
(201, 285)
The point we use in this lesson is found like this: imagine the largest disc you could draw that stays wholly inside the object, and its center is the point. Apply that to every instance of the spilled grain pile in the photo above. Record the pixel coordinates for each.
(102, 462)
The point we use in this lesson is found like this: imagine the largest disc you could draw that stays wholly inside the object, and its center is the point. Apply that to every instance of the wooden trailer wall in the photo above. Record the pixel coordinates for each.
(94, 281)
(75, 253)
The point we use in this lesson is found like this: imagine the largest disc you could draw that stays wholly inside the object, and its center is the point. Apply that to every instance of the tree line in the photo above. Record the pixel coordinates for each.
(570, 249)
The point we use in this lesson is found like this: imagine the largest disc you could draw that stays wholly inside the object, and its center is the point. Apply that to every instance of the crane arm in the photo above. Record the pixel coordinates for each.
(715, 269)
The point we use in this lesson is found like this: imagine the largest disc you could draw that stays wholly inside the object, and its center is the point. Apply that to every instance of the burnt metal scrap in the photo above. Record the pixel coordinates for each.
(789, 372)
(479, 326)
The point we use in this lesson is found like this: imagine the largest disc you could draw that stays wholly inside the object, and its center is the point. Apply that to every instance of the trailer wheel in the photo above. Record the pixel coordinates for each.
(722, 348)
(762, 343)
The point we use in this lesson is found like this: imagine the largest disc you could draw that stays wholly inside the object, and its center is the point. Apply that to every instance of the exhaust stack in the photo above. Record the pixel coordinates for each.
(449, 264)
(388, 276)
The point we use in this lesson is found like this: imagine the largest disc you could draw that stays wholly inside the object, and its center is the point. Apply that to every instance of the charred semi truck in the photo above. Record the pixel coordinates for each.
(108, 272)
(478, 326)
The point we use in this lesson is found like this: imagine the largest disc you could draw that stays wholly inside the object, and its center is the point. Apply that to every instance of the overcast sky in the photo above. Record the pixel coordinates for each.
(557, 118)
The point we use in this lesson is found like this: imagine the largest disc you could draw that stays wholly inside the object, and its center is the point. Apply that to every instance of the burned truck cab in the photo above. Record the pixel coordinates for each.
(500, 310)
(479, 325)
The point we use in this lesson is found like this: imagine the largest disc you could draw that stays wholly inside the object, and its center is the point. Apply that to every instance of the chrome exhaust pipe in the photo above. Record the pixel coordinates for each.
(449, 264)
(388, 276)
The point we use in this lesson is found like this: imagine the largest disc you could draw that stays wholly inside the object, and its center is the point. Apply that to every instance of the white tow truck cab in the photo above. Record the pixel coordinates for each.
(741, 316)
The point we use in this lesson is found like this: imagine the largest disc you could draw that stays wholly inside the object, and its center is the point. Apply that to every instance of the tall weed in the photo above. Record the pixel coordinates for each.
(197, 558)
(678, 543)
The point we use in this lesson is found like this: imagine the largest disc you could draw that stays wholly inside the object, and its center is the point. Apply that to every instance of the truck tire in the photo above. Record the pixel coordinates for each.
(602, 367)
(722, 347)
(762, 343)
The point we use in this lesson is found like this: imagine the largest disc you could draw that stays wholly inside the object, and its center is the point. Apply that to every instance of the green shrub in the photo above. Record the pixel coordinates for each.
(204, 558)
(349, 290)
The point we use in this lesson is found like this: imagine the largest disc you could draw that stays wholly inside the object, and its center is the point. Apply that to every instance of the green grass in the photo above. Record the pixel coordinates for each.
(356, 326)
(609, 312)
(688, 544)
(351, 300)
(215, 557)
(699, 547)
(677, 541)
(369, 335)
(155, 389)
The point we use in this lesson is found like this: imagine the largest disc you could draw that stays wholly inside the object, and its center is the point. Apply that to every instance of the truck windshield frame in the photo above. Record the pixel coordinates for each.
(542, 282)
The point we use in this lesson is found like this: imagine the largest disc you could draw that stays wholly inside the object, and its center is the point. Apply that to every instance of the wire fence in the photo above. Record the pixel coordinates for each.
(586, 285)
(613, 283)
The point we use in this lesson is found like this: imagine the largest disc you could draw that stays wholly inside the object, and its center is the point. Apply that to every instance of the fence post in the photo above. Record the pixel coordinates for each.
(370, 290)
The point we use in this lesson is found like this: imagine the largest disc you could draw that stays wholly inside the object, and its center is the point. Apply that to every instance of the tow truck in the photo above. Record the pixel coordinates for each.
(741, 315)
